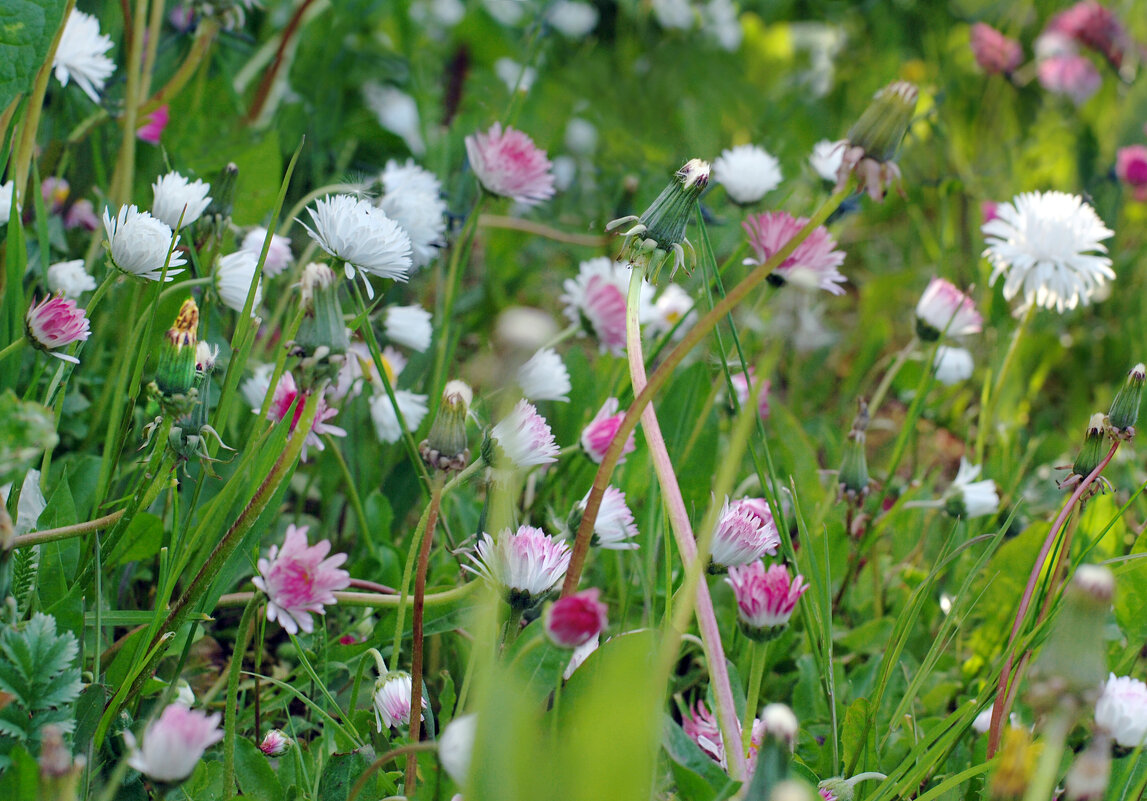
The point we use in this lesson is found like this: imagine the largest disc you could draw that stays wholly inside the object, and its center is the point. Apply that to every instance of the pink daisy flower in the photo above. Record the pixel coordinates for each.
(173, 743)
(596, 300)
(299, 579)
(285, 394)
(55, 323)
(152, 130)
(598, 435)
(745, 532)
(576, 619)
(526, 564)
(508, 163)
(1131, 169)
(945, 309)
(995, 52)
(701, 727)
(766, 598)
(392, 700)
(813, 264)
(741, 383)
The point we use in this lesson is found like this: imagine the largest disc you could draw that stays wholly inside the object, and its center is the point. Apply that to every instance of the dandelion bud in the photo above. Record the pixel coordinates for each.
(176, 373)
(446, 447)
(322, 325)
(1090, 455)
(276, 743)
(1071, 668)
(875, 138)
(1125, 408)
(1087, 779)
(854, 466)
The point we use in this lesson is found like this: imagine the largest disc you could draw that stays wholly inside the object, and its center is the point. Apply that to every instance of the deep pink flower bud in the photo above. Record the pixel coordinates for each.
(276, 743)
(576, 619)
(995, 52)
(1131, 169)
(152, 130)
(598, 435)
(54, 323)
(766, 598)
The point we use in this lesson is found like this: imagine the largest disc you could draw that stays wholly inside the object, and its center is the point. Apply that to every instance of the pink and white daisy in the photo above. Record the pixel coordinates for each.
(995, 52)
(745, 532)
(576, 619)
(766, 597)
(362, 236)
(598, 435)
(392, 700)
(279, 256)
(614, 528)
(173, 743)
(81, 55)
(55, 323)
(526, 564)
(596, 300)
(741, 382)
(544, 377)
(524, 438)
(944, 309)
(286, 393)
(300, 579)
(1131, 169)
(275, 743)
(701, 727)
(814, 262)
(674, 305)
(139, 244)
(511, 165)
(1121, 711)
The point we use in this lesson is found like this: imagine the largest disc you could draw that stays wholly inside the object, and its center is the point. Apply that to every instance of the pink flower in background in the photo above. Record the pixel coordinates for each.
(995, 52)
(1094, 26)
(576, 619)
(55, 192)
(766, 598)
(56, 322)
(598, 435)
(596, 301)
(510, 164)
(279, 256)
(813, 264)
(524, 437)
(743, 534)
(701, 727)
(173, 743)
(741, 383)
(392, 700)
(1131, 169)
(1071, 75)
(152, 130)
(987, 211)
(943, 308)
(285, 394)
(299, 579)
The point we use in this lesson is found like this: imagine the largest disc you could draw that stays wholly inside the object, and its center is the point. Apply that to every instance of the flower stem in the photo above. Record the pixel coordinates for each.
(62, 533)
(756, 676)
(231, 710)
(15, 347)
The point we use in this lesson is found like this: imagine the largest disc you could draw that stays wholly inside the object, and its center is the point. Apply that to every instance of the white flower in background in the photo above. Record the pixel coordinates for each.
(412, 406)
(572, 18)
(507, 12)
(456, 745)
(514, 75)
(565, 171)
(412, 198)
(952, 365)
(434, 15)
(719, 21)
(233, 276)
(747, 172)
(580, 654)
(409, 326)
(70, 278)
(6, 191)
(362, 236)
(396, 112)
(1121, 710)
(254, 389)
(545, 377)
(359, 366)
(822, 43)
(826, 158)
(944, 309)
(968, 497)
(671, 307)
(139, 244)
(1044, 244)
(173, 194)
(674, 14)
(279, 256)
(80, 55)
(524, 328)
(581, 137)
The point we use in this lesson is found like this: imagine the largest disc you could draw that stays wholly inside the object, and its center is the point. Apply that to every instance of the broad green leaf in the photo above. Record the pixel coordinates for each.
(26, 31)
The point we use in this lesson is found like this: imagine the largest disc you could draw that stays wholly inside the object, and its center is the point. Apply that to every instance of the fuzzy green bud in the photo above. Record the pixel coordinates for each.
(882, 125)
(853, 476)
(1125, 408)
(176, 372)
(1093, 451)
(446, 447)
(321, 341)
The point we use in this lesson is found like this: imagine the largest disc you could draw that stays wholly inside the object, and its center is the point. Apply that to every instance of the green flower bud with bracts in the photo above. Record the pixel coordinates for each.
(447, 446)
(1125, 408)
(321, 341)
(1090, 455)
(176, 373)
(853, 476)
(874, 139)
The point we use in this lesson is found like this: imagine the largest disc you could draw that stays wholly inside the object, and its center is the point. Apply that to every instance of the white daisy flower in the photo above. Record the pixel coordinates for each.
(969, 498)
(70, 278)
(175, 197)
(953, 365)
(409, 326)
(571, 18)
(396, 112)
(233, 276)
(673, 305)
(581, 137)
(1122, 710)
(412, 406)
(255, 388)
(719, 21)
(747, 172)
(545, 377)
(674, 14)
(412, 198)
(139, 244)
(826, 158)
(6, 191)
(279, 256)
(362, 236)
(1045, 243)
(80, 55)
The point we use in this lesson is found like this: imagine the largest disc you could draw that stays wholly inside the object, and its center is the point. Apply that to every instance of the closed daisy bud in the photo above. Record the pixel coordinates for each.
(576, 619)
(853, 473)
(276, 743)
(56, 323)
(176, 372)
(1090, 455)
(447, 445)
(766, 598)
(1125, 408)
(874, 139)
(392, 700)
(944, 309)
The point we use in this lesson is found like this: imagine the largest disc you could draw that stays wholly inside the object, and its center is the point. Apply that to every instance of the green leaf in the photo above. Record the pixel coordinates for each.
(852, 730)
(37, 670)
(256, 777)
(21, 779)
(26, 31)
(141, 540)
(340, 774)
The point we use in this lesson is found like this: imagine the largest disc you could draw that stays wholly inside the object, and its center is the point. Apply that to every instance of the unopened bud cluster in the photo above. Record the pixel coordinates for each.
(1118, 424)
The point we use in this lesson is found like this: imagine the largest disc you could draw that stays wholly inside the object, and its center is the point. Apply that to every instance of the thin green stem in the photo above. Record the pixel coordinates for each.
(348, 479)
(988, 404)
(231, 710)
(752, 699)
(886, 382)
(14, 347)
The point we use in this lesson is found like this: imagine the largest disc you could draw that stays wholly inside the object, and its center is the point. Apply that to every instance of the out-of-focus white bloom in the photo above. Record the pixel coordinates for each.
(953, 365)
(409, 326)
(362, 236)
(747, 172)
(524, 328)
(233, 277)
(581, 137)
(139, 244)
(545, 377)
(412, 198)
(279, 256)
(507, 12)
(397, 112)
(826, 158)
(6, 191)
(1045, 244)
(173, 743)
(970, 498)
(255, 388)
(524, 438)
(671, 307)
(565, 171)
(983, 721)
(516, 77)
(80, 55)
(1122, 710)
(572, 18)
(674, 14)
(412, 406)
(456, 745)
(70, 278)
(435, 13)
(822, 43)
(720, 22)
(176, 197)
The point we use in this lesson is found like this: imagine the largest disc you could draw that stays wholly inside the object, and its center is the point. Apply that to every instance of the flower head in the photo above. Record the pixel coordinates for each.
(995, 52)
(874, 139)
(412, 198)
(233, 276)
(598, 435)
(1094, 26)
(409, 326)
(397, 112)
(745, 532)
(6, 192)
(175, 198)
(510, 164)
(614, 528)
(173, 743)
(576, 619)
(456, 746)
(766, 597)
(392, 700)
(446, 447)
(526, 564)
(275, 743)
(1070, 74)
(1121, 710)
(970, 498)
(386, 425)
(741, 386)
(953, 365)
(152, 130)
(596, 300)
(55, 323)
(1044, 244)
(523, 437)
(812, 264)
(747, 172)
(701, 727)
(139, 244)
(1131, 169)
(70, 279)
(362, 236)
(572, 19)
(944, 309)
(299, 579)
(279, 256)
(80, 54)
(287, 393)
(544, 377)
